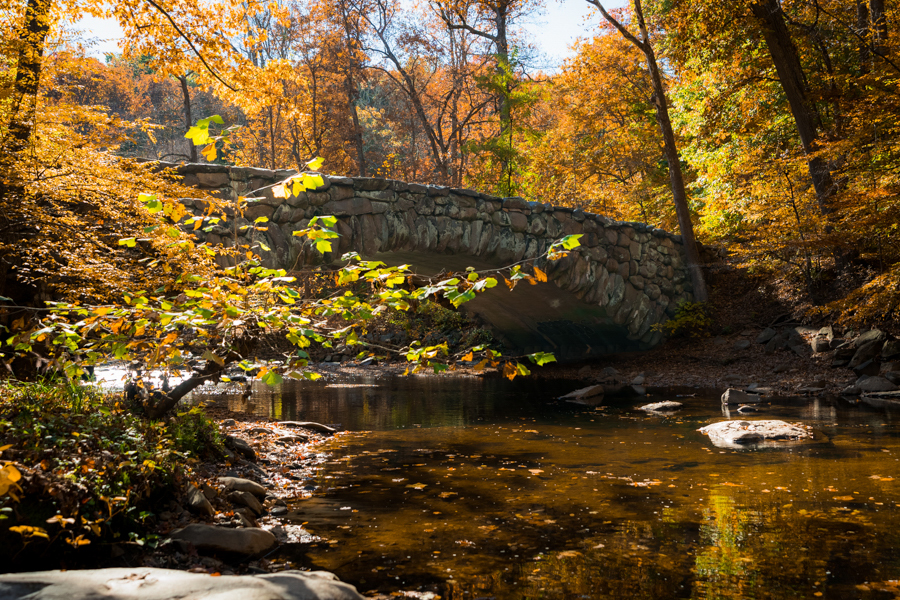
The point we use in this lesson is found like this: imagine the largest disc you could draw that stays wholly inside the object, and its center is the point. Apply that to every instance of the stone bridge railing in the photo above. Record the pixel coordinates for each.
(608, 293)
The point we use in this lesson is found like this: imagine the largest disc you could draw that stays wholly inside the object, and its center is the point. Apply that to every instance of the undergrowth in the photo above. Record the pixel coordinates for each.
(81, 471)
(433, 323)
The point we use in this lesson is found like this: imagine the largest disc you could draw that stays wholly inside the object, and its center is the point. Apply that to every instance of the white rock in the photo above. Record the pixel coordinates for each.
(593, 391)
(163, 584)
(660, 407)
(730, 434)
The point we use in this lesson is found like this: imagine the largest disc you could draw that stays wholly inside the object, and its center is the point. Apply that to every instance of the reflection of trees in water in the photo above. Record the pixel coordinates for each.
(388, 404)
(722, 569)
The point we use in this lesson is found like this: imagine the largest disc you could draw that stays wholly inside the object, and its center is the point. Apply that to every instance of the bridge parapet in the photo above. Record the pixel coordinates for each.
(608, 293)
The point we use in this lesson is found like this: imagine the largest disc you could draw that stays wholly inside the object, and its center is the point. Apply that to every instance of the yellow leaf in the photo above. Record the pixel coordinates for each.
(9, 475)
(27, 531)
(509, 371)
(209, 152)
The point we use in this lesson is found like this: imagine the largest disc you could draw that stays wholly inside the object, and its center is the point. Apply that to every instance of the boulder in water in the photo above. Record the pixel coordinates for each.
(662, 407)
(731, 434)
(163, 584)
(733, 396)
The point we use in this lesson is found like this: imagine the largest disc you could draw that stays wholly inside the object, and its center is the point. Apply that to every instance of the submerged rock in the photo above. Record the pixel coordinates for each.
(209, 538)
(729, 434)
(662, 407)
(163, 584)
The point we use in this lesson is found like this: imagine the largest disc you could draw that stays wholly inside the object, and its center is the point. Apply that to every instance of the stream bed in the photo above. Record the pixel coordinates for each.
(484, 488)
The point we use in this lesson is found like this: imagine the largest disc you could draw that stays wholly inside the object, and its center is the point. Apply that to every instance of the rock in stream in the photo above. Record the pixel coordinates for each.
(164, 584)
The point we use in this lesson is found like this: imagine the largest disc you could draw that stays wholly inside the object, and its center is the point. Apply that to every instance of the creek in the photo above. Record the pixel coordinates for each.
(484, 488)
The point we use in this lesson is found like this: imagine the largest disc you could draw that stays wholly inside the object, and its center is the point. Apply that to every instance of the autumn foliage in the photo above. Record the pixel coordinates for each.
(784, 115)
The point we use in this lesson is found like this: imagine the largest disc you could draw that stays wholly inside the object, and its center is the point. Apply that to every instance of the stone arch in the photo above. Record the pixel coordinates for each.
(605, 297)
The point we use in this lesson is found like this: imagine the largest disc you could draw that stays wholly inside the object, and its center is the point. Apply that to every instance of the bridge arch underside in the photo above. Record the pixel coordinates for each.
(605, 297)
(532, 318)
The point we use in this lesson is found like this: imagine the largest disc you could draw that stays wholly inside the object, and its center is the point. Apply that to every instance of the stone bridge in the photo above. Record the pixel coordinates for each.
(604, 297)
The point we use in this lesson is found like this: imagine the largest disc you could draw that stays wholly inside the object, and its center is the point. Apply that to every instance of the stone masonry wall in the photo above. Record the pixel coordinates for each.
(633, 272)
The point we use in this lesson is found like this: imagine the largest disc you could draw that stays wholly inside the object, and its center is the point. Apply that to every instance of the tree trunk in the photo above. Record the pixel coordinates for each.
(188, 119)
(352, 96)
(879, 27)
(862, 28)
(502, 44)
(32, 38)
(793, 82)
(676, 179)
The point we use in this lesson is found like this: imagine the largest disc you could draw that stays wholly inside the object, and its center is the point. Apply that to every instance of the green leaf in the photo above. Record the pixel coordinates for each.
(272, 378)
(571, 241)
(323, 246)
(542, 358)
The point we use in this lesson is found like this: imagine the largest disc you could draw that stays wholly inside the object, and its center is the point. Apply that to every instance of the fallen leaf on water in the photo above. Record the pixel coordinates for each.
(447, 494)
(531, 431)
(417, 486)
(535, 471)
(843, 498)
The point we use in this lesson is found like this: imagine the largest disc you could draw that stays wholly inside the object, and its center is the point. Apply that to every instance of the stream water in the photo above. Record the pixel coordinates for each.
(492, 489)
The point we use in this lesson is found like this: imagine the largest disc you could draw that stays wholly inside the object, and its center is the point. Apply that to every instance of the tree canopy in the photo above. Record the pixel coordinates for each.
(777, 117)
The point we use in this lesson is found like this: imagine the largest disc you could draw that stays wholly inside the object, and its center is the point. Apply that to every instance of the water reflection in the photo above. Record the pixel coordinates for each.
(476, 489)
